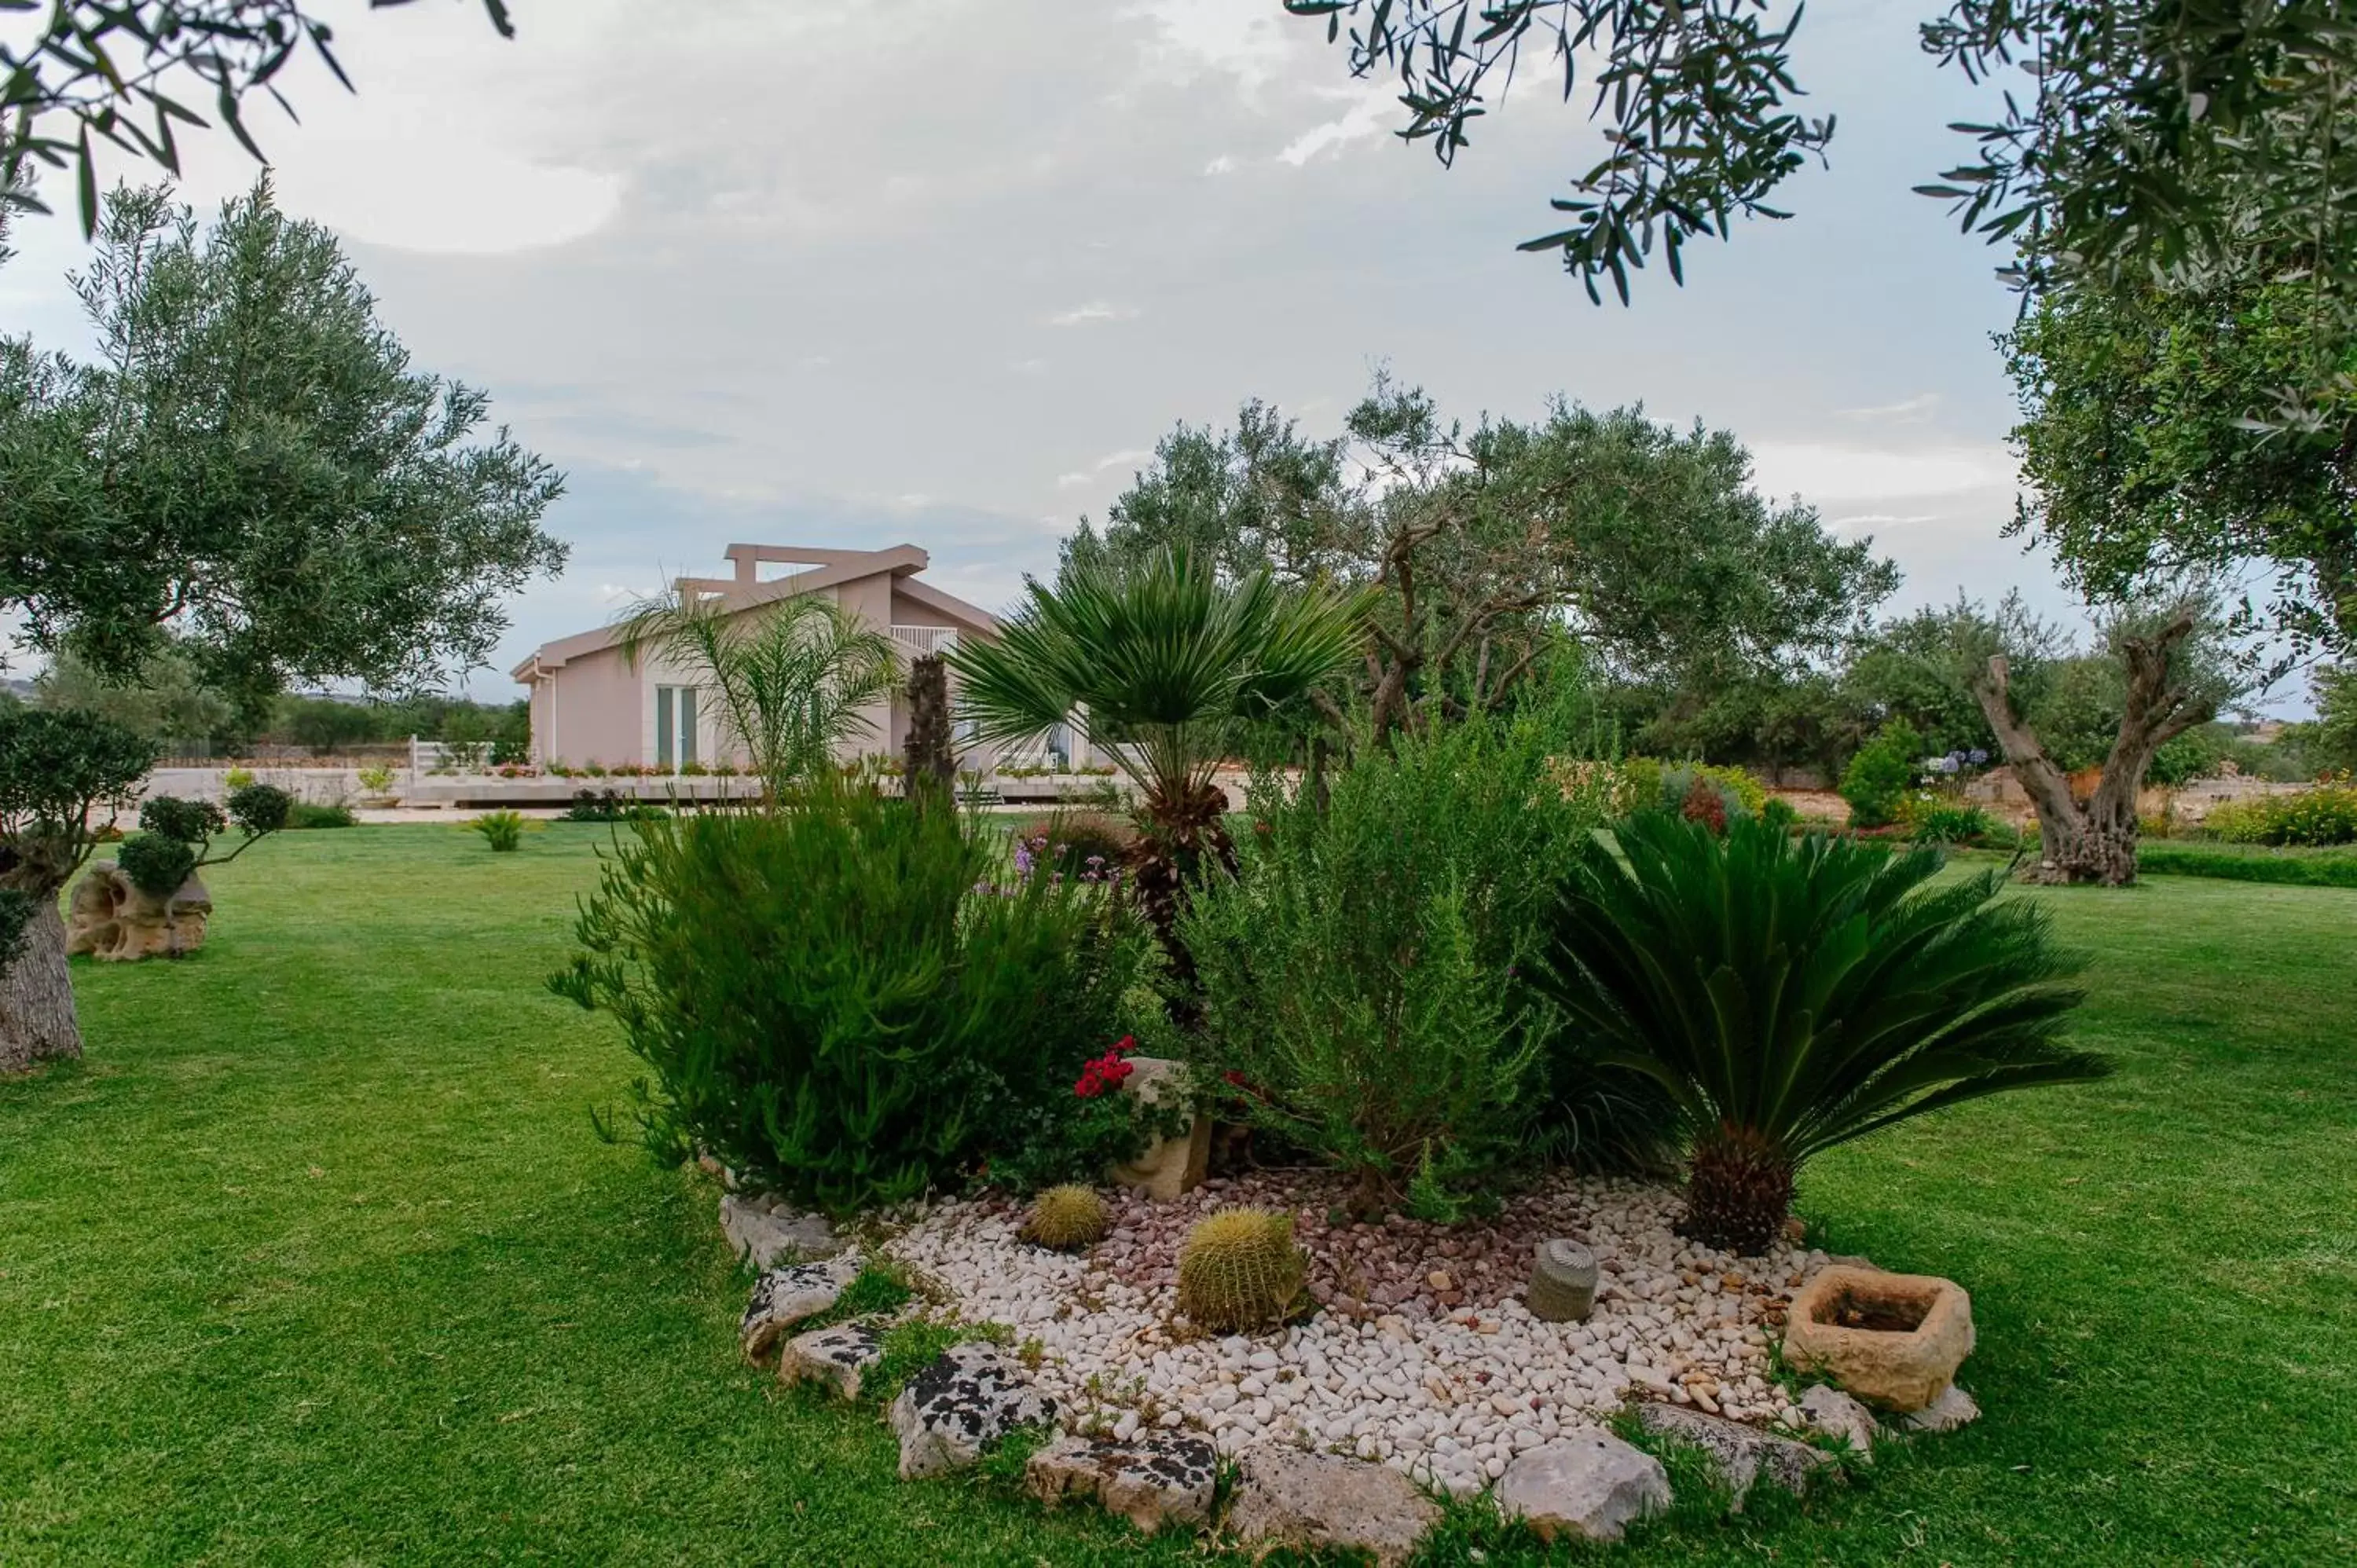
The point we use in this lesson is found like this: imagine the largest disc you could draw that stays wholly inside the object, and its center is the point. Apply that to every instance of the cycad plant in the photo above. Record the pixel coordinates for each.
(792, 677)
(1790, 994)
(1161, 666)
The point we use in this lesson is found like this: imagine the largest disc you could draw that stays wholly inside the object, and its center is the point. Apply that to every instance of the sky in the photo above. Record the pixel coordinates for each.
(943, 272)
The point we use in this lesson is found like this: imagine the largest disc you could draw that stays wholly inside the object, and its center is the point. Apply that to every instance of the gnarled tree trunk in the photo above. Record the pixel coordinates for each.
(36, 1003)
(2094, 840)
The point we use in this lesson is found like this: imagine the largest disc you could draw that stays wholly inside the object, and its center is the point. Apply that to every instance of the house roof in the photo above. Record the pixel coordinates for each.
(745, 591)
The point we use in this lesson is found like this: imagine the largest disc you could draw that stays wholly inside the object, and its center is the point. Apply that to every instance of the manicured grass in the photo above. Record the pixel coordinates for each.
(2249, 863)
(316, 1259)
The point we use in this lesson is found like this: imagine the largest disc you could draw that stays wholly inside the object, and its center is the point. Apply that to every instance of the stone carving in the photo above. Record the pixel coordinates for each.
(111, 919)
(1169, 1165)
(1563, 1283)
(1893, 1339)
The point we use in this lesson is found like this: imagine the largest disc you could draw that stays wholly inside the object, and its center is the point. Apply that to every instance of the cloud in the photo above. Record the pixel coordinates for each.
(1092, 313)
(1129, 457)
(1879, 518)
(1031, 367)
(1368, 114)
(1830, 474)
(1223, 163)
(1907, 411)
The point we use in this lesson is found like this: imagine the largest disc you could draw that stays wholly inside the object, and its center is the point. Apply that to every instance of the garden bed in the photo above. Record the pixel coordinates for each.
(1419, 1354)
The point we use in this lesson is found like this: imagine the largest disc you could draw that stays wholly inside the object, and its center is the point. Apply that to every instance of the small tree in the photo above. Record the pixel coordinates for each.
(792, 677)
(928, 763)
(2175, 676)
(63, 777)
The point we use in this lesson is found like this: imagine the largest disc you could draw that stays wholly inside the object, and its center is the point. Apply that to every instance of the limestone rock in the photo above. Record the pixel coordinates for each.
(769, 1234)
(785, 1296)
(1169, 1165)
(1895, 1339)
(839, 1357)
(1838, 1414)
(1287, 1496)
(1953, 1409)
(1744, 1454)
(1153, 1478)
(1589, 1484)
(972, 1396)
(111, 919)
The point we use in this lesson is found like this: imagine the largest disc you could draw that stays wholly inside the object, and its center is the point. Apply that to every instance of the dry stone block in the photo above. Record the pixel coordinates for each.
(1893, 1339)
(1287, 1497)
(1589, 1486)
(972, 1396)
(1743, 1454)
(839, 1357)
(1155, 1478)
(768, 1233)
(785, 1296)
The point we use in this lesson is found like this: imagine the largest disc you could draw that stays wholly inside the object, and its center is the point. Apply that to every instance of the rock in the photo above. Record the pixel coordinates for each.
(785, 1296)
(110, 918)
(972, 1396)
(1169, 1165)
(1835, 1326)
(1161, 1476)
(837, 1357)
(1744, 1454)
(1287, 1496)
(1563, 1283)
(772, 1238)
(1836, 1414)
(1589, 1484)
(1953, 1409)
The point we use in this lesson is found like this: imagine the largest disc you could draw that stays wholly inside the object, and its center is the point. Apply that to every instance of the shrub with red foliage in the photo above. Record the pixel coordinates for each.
(1704, 804)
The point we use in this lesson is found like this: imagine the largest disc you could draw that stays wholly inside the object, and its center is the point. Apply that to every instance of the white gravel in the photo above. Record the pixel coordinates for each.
(1445, 1390)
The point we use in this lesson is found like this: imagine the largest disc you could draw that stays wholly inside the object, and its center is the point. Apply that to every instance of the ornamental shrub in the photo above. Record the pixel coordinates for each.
(847, 999)
(1365, 969)
(157, 864)
(2326, 814)
(1649, 784)
(1881, 773)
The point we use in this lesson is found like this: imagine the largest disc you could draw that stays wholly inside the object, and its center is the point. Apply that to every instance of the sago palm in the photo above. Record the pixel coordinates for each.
(1790, 995)
(1160, 667)
(792, 677)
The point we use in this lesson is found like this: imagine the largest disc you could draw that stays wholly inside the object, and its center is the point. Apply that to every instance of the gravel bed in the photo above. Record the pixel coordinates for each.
(1420, 1354)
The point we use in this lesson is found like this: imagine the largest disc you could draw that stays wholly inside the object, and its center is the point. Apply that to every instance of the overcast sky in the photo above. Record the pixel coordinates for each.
(942, 271)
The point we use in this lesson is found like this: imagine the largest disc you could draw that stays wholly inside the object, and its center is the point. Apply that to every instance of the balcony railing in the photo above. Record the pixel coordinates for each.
(926, 639)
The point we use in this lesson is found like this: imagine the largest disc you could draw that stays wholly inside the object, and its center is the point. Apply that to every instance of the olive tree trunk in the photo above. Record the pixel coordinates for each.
(2094, 840)
(36, 1003)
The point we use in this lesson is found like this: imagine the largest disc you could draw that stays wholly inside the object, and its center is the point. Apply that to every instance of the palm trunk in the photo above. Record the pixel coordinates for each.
(36, 1003)
(1170, 852)
(1738, 1190)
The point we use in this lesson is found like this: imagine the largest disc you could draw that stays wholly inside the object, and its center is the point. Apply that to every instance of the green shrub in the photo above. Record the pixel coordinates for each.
(157, 864)
(2323, 816)
(1949, 821)
(1779, 814)
(309, 814)
(1787, 994)
(376, 778)
(609, 806)
(237, 777)
(1081, 843)
(504, 831)
(1648, 783)
(1880, 775)
(1366, 970)
(2296, 868)
(848, 999)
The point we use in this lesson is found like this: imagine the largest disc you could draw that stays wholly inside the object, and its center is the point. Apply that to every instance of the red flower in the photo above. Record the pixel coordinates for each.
(1128, 1044)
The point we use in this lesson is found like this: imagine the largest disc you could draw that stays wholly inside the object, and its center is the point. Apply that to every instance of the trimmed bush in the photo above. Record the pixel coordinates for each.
(307, 814)
(846, 999)
(504, 831)
(1880, 775)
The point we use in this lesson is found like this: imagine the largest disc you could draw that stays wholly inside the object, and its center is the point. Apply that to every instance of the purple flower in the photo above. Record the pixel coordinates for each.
(1023, 860)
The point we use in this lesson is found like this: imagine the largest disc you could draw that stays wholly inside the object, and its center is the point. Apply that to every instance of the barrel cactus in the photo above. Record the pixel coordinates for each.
(1066, 1218)
(1239, 1269)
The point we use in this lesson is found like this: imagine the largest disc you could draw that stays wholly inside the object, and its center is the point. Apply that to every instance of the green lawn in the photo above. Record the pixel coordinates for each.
(316, 1259)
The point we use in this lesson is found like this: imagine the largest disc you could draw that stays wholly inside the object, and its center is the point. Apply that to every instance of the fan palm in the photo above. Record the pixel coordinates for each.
(792, 677)
(1790, 994)
(1160, 666)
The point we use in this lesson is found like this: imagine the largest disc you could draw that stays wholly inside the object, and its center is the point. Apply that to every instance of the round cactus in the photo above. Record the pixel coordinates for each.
(1239, 1269)
(1067, 1218)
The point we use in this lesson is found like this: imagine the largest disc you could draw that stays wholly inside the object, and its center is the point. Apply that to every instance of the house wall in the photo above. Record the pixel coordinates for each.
(596, 712)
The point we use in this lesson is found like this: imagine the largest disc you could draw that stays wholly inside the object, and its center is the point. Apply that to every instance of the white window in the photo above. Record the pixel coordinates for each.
(674, 725)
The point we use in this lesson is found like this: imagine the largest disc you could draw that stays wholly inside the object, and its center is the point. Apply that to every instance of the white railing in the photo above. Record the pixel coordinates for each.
(926, 639)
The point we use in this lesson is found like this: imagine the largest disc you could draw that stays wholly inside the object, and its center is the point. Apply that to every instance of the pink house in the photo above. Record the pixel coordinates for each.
(590, 705)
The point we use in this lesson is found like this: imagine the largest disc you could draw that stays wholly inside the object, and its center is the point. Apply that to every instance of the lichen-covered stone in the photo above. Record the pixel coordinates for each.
(1287, 1496)
(839, 1357)
(1899, 1370)
(785, 1296)
(971, 1396)
(768, 1233)
(1589, 1484)
(1155, 1478)
(1743, 1454)
(1838, 1414)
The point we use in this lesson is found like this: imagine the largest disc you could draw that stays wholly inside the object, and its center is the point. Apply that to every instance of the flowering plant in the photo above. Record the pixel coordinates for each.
(1106, 1071)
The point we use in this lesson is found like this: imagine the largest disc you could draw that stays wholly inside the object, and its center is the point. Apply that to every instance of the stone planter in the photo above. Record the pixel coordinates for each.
(1894, 1340)
(1169, 1165)
(1563, 1283)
